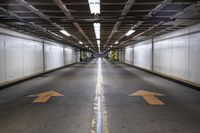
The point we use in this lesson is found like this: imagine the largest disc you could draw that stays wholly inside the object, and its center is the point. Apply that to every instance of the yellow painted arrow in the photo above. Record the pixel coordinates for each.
(149, 97)
(45, 96)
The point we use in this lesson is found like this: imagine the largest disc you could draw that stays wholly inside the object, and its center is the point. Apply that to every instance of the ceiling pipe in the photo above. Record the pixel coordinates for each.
(97, 20)
(154, 11)
(11, 15)
(106, 11)
(151, 13)
(103, 3)
(173, 17)
(66, 11)
(16, 17)
(126, 9)
(43, 16)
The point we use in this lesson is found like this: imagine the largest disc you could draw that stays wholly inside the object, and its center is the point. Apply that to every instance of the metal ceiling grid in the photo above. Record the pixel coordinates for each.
(146, 17)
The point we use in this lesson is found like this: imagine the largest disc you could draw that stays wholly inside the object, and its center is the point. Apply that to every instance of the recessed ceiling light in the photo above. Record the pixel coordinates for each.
(80, 42)
(97, 30)
(116, 42)
(130, 32)
(98, 42)
(65, 32)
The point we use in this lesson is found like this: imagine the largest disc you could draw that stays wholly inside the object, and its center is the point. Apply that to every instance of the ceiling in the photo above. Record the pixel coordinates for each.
(147, 18)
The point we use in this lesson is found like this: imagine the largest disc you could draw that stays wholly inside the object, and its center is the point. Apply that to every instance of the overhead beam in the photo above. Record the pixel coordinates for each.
(155, 10)
(151, 13)
(87, 11)
(197, 4)
(85, 3)
(173, 17)
(32, 25)
(101, 19)
(66, 11)
(126, 9)
(43, 16)
(11, 15)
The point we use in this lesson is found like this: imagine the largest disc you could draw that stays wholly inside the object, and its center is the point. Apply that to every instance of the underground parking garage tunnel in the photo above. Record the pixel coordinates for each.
(99, 66)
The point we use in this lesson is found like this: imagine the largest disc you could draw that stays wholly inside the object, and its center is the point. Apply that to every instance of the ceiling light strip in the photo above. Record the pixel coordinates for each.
(65, 32)
(97, 29)
(94, 6)
(130, 32)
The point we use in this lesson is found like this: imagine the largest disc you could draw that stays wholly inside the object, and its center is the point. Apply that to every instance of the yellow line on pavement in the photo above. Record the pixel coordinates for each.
(105, 117)
(99, 119)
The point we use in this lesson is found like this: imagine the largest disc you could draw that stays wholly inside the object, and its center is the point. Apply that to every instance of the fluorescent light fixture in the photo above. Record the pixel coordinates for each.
(86, 46)
(80, 42)
(98, 42)
(116, 42)
(65, 32)
(94, 6)
(111, 46)
(130, 32)
(99, 50)
(97, 30)
(99, 47)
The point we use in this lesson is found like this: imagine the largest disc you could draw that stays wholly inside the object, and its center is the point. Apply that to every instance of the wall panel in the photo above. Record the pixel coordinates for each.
(54, 56)
(121, 55)
(38, 57)
(176, 54)
(2, 60)
(33, 58)
(14, 58)
(163, 56)
(142, 55)
(180, 53)
(29, 57)
(22, 55)
(129, 55)
(194, 58)
(69, 56)
(156, 56)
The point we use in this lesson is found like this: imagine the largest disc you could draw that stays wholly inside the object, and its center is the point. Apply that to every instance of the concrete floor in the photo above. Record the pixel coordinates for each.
(73, 112)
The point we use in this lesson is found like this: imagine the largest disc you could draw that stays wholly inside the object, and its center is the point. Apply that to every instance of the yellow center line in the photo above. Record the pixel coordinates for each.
(99, 120)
